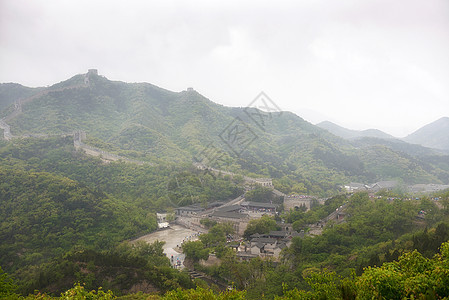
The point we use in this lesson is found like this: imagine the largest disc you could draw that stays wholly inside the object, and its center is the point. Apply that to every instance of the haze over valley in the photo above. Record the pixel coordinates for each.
(224, 150)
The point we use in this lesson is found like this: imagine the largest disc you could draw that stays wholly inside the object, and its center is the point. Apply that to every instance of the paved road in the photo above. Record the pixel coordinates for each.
(172, 237)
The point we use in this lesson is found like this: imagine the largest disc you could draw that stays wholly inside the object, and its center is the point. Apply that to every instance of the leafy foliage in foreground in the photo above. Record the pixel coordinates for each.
(124, 269)
(369, 236)
(54, 199)
(43, 215)
(412, 276)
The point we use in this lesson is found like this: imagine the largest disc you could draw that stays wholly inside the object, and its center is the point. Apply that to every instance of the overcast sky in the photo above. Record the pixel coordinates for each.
(361, 64)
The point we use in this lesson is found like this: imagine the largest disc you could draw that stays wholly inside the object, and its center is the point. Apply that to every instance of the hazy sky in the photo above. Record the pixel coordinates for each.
(362, 64)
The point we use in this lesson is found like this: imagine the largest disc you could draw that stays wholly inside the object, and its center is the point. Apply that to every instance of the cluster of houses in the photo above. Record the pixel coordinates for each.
(390, 185)
(238, 214)
(269, 245)
(427, 188)
(354, 187)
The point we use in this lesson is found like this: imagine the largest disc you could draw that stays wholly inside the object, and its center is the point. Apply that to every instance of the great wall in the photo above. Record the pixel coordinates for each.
(78, 135)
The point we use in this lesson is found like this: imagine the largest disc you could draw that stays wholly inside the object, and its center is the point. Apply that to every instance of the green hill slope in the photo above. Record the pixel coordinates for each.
(353, 134)
(143, 121)
(43, 215)
(10, 92)
(435, 135)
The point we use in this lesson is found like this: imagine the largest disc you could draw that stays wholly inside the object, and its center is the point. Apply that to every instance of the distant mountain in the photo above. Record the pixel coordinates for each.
(397, 145)
(140, 120)
(434, 135)
(352, 134)
(10, 92)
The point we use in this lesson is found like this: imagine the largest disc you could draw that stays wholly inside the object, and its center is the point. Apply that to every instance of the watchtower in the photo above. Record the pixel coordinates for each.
(92, 72)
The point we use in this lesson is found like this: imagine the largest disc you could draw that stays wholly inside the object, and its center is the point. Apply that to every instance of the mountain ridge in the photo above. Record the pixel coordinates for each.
(353, 134)
(432, 135)
(145, 122)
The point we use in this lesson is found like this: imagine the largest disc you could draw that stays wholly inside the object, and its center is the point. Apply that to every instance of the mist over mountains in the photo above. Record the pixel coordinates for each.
(86, 163)
(352, 134)
(434, 135)
(140, 120)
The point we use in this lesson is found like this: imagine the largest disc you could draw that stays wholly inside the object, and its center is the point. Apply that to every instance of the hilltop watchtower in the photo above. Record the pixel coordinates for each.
(92, 72)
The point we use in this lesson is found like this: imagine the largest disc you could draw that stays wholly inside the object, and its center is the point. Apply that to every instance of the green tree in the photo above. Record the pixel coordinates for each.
(412, 276)
(7, 285)
(260, 194)
(195, 250)
(78, 292)
(208, 223)
(262, 225)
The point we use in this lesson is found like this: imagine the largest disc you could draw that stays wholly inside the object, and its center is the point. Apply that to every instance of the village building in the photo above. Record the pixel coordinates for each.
(267, 245)
(238, 220)
(259, 207)
(189, 210)
(382, 185)
(162, 221)
(354, 187)
(297, 201)
(427, 188)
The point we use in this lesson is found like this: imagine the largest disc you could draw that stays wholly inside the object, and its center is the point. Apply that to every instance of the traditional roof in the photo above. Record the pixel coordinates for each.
(229, 208)
(277, 233)
(215, 204)
(295, 233)
(192, 207)
(258, 204)
(258, 245)
(231, 215)
(263, 240)
(281, 246)
(384, 184)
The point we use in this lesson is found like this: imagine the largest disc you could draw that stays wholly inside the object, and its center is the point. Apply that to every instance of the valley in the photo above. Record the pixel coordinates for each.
(87, 163)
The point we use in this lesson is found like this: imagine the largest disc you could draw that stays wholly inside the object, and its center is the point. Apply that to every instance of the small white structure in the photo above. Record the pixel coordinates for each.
(162, 221)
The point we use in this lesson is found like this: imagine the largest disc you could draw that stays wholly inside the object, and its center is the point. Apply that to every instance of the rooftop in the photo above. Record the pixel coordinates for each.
(259, 204)
(230, 215)
(229, 208)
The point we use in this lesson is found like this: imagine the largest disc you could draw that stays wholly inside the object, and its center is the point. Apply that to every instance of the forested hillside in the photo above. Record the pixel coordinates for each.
(433, 135)
(11, 92)
(382, 250)
(43, 215)
(149, 187)
(54, 199)
(353, 134)
(140, 120)
(66, 217)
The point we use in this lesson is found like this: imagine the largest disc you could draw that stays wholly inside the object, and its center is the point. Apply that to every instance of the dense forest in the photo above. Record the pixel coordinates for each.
(411, 276)
(376, 231)
(403, 257)
(67, 219)
(143, 121)
(54, 200)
